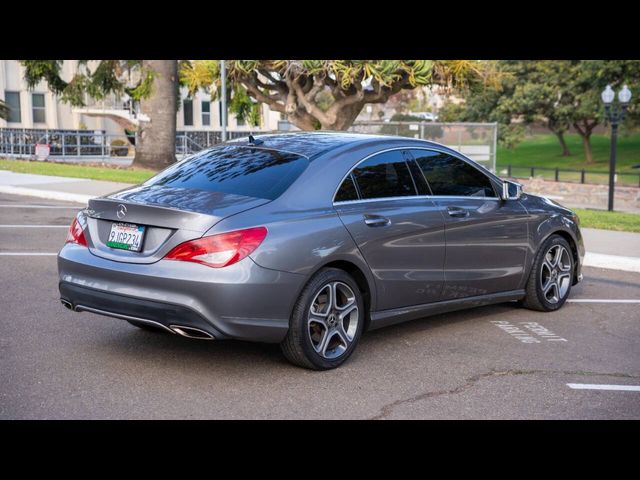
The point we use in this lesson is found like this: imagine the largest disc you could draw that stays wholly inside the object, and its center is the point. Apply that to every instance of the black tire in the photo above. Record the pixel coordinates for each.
(298, 346)
(535, 298)
(145, 326)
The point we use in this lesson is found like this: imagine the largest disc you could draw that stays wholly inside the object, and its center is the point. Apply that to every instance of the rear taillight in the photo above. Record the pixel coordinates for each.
(76, 235)
(219, 250)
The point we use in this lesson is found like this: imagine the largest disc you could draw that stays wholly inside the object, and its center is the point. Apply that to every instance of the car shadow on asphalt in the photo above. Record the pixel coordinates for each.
(163, 348)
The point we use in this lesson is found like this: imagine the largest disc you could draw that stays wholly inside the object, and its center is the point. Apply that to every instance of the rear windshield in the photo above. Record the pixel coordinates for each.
(252, 172)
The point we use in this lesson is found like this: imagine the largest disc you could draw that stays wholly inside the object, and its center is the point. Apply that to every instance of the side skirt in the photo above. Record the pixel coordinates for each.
(385, 318)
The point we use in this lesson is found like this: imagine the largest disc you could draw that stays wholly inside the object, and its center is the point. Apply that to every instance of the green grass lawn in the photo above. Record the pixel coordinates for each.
(544, 151)
(125, 175)
(624, 222)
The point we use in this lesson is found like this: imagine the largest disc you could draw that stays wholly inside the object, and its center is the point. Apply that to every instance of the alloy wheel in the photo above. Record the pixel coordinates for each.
(333, 319)
(555, 277)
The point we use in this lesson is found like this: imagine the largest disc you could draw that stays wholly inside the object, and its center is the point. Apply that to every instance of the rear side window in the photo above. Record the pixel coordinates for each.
(384, 175)
(347, 191)
(251, 172)
(450, 176)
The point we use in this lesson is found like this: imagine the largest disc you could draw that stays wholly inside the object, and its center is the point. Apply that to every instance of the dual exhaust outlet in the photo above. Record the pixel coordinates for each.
(183, 330)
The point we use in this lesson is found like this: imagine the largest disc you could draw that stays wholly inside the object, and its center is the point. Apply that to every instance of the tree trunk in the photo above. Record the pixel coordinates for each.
(586, 143)
(563, 144)
(343, 120)
(156, 142)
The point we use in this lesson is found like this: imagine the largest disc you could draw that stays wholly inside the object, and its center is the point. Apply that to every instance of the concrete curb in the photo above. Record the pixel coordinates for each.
(613, 262)
(48, 194)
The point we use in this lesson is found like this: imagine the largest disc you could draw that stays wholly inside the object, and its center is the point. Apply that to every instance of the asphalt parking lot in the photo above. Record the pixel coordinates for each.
(496, 362)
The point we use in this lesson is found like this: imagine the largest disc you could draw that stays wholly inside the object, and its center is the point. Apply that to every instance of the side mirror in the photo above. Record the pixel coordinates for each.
(511, 190)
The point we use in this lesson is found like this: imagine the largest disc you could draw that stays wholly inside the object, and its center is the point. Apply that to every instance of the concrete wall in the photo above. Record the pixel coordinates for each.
(584, 195)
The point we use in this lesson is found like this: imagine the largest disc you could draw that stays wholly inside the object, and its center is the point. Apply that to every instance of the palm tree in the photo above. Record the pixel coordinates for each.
(157, 138)
(152, 82)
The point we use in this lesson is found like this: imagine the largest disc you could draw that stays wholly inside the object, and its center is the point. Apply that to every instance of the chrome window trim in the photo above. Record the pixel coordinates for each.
(411, 197)
(457, 155)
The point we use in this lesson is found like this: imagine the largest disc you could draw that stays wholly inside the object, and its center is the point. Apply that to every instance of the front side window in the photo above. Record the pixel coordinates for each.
(384, 175)
(12, 99)
(451, 176)
(37, 106)
(187, 108)
(251, 172)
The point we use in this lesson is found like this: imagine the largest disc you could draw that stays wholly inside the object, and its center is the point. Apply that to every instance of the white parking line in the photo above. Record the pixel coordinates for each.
(41, 206)
(25, 254)
(601, 300)
(591, 386)
(34, 226)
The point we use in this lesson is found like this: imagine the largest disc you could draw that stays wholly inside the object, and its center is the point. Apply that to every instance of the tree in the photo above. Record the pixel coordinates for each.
(156, 144)
(562, 94)
(540, 94)
(154, 83)
(299, 88)
(585, 81)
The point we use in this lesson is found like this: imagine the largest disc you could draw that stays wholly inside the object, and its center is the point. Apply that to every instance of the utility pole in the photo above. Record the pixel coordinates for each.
(223, 100)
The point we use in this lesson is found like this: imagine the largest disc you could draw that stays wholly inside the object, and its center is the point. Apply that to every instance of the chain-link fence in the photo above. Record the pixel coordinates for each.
(475, 140)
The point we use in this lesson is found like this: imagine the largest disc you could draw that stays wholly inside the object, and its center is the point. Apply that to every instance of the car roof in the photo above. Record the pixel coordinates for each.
(314, 144)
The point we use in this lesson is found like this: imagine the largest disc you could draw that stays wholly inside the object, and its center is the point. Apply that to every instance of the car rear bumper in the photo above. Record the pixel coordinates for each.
(242, 301)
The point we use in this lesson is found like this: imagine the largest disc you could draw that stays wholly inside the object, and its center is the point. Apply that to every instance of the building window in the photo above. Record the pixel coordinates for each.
(187, 107)
(12, 99)
(37, 108)
(206, 113)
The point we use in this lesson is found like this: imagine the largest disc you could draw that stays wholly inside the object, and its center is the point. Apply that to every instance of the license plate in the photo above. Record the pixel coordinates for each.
(126, 236)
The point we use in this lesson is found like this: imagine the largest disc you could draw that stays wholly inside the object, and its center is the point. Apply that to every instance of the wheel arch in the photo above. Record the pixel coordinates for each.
(572, 243)
(365, 283)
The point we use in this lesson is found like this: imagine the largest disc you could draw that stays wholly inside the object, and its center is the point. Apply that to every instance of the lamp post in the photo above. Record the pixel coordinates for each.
(615, 115)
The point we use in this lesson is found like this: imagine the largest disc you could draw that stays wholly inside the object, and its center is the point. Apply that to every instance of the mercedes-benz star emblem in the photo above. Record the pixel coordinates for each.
(121, 211)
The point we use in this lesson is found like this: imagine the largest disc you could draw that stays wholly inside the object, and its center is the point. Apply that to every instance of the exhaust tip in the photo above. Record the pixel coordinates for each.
(191, 332)
(66, 303)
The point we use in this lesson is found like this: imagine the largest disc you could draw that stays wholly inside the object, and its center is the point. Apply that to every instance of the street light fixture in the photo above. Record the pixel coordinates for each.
(615, 115)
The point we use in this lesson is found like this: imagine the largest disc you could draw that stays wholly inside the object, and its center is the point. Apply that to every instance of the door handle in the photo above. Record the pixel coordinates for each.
(376, 220)
(457, 212)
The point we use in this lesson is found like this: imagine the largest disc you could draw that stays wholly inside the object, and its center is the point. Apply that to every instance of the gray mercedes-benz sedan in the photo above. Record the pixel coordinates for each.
(310, 239)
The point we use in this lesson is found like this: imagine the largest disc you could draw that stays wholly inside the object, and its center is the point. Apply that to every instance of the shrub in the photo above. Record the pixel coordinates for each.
(119, 148)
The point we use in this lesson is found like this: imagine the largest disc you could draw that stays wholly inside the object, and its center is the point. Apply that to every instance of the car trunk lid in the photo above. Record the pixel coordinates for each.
(170, 216)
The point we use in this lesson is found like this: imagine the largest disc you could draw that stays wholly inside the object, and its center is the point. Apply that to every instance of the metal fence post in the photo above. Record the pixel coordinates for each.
(509, 171)
(64, 141)
(495, 146)
(533, 172)
(582, 176)
(557, 174)
(77, 145)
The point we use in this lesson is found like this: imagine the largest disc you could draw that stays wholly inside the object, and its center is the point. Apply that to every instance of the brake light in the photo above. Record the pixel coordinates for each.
(221, 250)
(76, 235)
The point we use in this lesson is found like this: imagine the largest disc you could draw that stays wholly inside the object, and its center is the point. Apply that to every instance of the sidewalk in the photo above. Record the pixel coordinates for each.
(78, 190)
(609, 249)
(605, 248)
